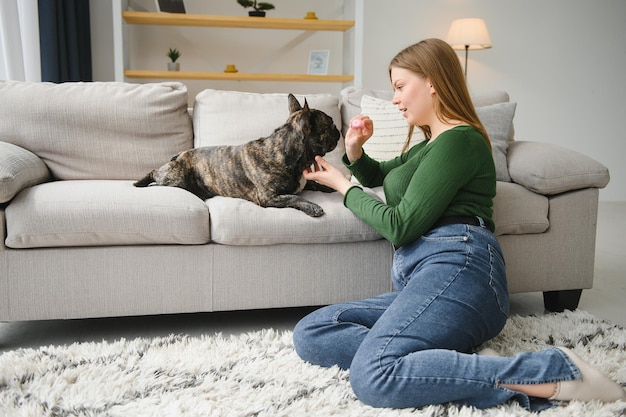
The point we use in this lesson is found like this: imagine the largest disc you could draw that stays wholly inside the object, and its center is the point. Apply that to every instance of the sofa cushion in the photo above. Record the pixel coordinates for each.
(498, 122)
(518, 211)
(550, 169)
(99, 130)
(104, 213)
(19, 169)
(391, 129)
(234, 118)
(239, 222)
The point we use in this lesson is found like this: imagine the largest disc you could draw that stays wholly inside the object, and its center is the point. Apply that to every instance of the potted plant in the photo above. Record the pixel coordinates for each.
(173, 55)
(259, 8)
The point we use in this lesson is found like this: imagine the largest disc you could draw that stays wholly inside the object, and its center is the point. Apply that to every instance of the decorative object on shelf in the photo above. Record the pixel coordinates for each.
(170, 6)
(173, 55)
(231, 68)
(259, 8)
(310, 15)
(469, 33)
(318, 62)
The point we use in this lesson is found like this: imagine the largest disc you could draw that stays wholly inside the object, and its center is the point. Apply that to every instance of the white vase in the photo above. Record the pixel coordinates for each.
(173, 66)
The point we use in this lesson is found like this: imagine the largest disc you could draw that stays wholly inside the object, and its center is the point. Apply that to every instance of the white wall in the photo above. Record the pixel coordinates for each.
(561, 60)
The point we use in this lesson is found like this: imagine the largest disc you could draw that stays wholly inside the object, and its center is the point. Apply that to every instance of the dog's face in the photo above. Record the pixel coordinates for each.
(319, 131)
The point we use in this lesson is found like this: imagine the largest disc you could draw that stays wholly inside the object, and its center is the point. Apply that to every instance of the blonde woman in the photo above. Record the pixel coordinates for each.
(415, 346)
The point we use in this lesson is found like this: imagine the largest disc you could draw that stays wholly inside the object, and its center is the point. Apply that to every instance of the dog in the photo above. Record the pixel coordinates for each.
(267, 171)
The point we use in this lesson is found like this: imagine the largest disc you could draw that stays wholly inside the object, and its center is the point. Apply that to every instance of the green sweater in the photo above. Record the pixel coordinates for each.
(453, 175)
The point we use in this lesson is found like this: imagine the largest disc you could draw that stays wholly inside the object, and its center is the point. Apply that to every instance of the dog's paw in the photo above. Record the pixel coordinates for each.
(314, 210)
(296, 202)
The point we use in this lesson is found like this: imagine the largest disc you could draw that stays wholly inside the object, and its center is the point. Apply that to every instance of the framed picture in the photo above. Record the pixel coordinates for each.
(318, 62)
(170, 6)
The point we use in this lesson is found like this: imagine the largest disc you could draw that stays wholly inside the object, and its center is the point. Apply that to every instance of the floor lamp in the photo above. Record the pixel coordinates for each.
(469, 33)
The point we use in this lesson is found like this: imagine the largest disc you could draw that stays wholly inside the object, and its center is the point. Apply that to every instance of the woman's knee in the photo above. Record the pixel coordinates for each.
(321, 339)
(313, 340)
(304, 342)
(370, 385)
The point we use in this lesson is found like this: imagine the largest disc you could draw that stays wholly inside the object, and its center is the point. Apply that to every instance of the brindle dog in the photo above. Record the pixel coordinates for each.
(266, 171)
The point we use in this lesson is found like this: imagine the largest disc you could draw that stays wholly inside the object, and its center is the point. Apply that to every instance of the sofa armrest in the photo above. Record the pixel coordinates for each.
(550, 169)
(19, 169)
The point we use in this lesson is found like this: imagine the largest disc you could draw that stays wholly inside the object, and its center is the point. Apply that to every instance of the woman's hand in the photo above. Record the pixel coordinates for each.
(361, 129)
(326, 174)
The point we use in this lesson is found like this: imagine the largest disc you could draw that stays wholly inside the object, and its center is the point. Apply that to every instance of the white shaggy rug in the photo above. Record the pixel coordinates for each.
(259, 374)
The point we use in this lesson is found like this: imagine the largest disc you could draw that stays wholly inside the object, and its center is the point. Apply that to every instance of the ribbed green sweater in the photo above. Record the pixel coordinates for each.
(453, 175)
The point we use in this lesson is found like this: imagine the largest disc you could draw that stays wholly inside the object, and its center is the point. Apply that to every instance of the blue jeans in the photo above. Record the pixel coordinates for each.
(414, 347)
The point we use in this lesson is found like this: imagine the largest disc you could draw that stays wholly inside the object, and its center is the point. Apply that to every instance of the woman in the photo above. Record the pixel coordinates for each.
(414, 347)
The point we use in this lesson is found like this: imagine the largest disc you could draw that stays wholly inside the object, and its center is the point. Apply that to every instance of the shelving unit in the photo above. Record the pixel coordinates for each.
(217, 21)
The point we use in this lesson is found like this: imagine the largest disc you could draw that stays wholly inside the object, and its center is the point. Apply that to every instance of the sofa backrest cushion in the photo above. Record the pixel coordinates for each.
(99, 130)
(234, 118)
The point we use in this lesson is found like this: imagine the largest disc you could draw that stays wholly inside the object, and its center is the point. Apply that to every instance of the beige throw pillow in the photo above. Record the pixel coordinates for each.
(19, 169)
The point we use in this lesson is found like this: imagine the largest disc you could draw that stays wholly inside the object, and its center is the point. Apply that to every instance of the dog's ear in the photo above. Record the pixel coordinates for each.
(305, 123)
(294, 105)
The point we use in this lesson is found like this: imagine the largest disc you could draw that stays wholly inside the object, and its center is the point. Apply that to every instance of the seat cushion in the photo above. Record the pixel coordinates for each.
(239, 222)
(518, 211)
(103, 213)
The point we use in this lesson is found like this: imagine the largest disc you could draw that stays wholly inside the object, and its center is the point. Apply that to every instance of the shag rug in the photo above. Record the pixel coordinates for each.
(259, 374)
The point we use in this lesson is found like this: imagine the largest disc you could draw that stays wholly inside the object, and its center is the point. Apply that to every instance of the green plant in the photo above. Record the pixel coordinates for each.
(173, 54)
(256, 6)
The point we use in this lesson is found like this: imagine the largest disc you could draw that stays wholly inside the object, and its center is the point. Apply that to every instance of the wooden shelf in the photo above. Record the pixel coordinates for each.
(184, 19)
(237, 76)
(237, 22)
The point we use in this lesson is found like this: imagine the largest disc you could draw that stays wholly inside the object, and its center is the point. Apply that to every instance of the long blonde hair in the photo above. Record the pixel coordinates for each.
(436, 60)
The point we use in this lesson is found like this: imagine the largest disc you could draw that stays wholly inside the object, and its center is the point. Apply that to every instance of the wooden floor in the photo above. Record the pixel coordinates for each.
(605, 300)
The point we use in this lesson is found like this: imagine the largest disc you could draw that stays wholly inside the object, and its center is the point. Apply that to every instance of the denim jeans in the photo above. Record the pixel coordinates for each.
(414, 347)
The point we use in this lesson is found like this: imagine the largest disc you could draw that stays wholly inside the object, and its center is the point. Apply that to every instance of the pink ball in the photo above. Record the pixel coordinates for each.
(357, 124)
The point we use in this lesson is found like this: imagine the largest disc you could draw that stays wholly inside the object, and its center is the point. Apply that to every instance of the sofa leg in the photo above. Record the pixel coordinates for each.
(558, 301)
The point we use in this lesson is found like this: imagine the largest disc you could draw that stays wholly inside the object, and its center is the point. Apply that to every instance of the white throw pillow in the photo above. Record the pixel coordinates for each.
(390, 129)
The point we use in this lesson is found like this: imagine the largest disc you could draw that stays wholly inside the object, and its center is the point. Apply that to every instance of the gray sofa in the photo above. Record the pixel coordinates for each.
(78, 240)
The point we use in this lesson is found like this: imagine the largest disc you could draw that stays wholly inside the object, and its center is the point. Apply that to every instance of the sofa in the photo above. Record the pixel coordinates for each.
(77, 240)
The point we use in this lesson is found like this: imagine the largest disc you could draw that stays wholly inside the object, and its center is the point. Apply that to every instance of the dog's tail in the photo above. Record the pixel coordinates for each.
(145, 181)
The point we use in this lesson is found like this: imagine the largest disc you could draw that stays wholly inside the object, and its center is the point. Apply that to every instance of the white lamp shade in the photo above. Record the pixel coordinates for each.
(471, 32)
